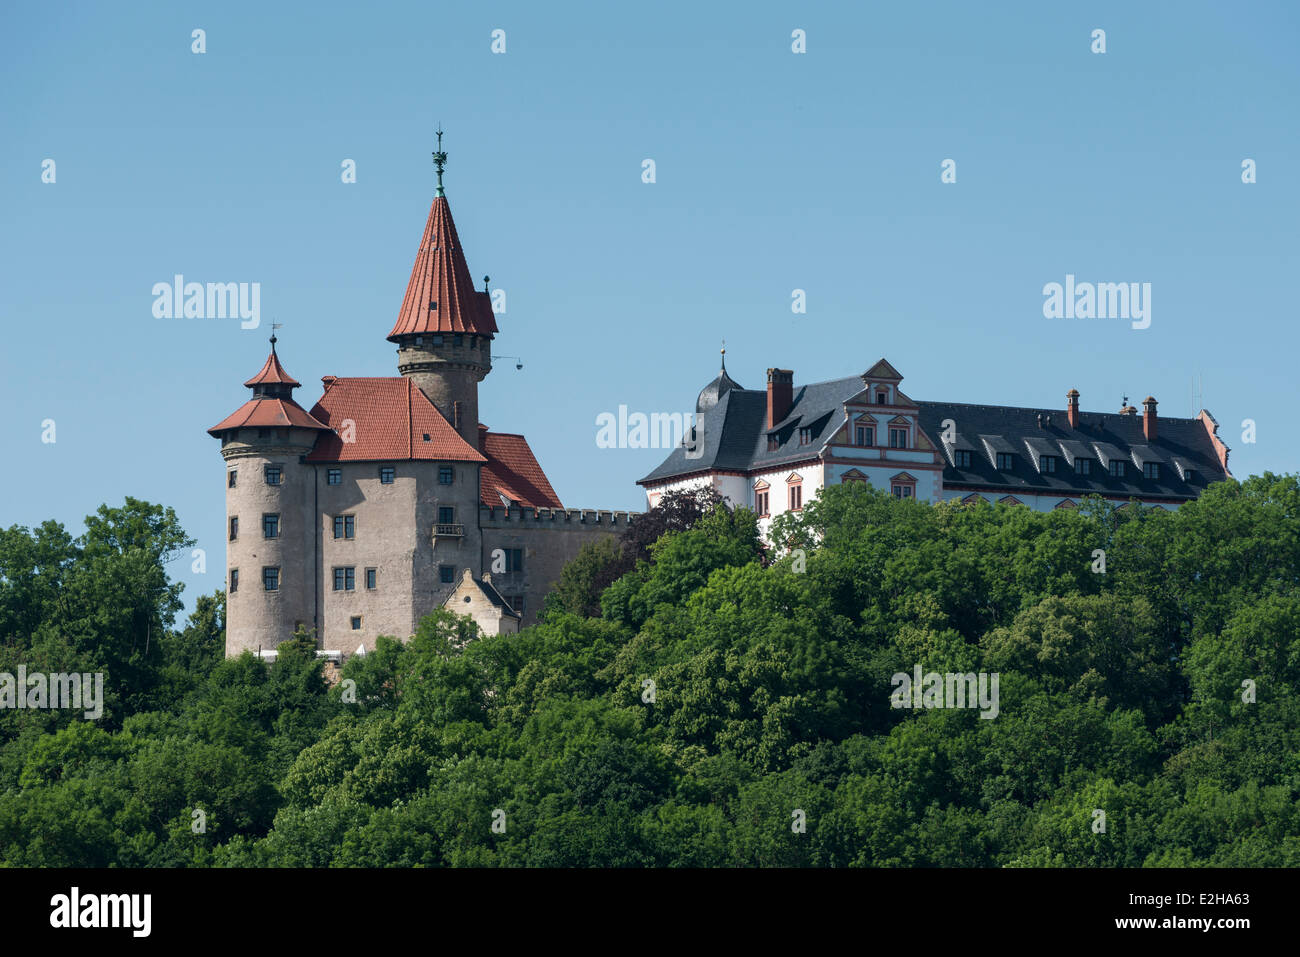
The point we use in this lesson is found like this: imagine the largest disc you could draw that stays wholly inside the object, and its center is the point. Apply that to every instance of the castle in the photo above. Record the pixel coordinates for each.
(772, 451)
(389, 498)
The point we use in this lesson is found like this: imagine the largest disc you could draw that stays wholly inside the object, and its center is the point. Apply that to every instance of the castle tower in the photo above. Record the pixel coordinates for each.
(271, 584)
(445, 328)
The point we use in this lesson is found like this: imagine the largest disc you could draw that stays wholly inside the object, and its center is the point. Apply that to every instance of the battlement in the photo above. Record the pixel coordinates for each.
(498, 516)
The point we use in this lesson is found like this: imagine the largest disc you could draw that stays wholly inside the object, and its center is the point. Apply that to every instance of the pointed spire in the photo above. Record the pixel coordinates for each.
(272, 403)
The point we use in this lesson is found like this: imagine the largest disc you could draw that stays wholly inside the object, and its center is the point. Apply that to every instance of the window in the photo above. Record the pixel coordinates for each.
(334, 477)
(805, 436)
(457, 340)
(961, 458)
(516, 603)
(1151, 470)
(445, 474)
(898, 438)
(345, 579)
(273, 475)
(1117, 468)
(796, 497)
(514, 559)
(372, 578)
(234, 527)
(902, 491)
(760, 502)
(231, 477)
(864, 435)
(356, 622)
(345, 526)
(882, 398)
(773, 443)
(1047, 464)
(1083, 466)
(271, 579)
(1004, 461)
(446, 574)
(270, 526)
(437, 340)
(446, 515)
(386, 474)
(234, 579)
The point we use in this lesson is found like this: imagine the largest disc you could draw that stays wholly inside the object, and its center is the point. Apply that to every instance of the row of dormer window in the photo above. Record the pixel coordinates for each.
(1047, 464)
(274, 475)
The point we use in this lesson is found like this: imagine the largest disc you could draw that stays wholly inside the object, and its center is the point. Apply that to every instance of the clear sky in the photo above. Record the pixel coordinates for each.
(774, 171)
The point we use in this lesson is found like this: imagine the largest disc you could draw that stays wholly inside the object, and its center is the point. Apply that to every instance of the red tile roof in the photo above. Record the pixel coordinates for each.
(391, 419)
(267, 412)
(272, 371)
(512, 471)
(440, 296)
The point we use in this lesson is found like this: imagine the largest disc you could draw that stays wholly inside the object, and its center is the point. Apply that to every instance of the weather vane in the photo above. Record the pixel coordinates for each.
(274, 326)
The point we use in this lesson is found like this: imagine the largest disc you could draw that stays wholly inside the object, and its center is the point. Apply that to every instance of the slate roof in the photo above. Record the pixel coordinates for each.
(736, 439)
(271, 407)
(391, 420)
(440, 296)
(512, 471)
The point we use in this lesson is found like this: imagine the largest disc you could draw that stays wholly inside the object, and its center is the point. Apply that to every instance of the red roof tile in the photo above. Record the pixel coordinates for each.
(267, 412)
(272, 371)
(391, 419)
(440, 296)
(512, 471)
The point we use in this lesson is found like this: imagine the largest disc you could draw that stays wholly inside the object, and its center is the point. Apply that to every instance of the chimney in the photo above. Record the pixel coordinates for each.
(780, 394)
(1149, 418)
(1072, 407)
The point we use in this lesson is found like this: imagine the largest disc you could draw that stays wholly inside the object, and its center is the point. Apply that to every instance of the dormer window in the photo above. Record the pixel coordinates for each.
(1116, 468)
(773, 443)
(882, 398)
(1047, 464)
(805, 436)
(961, 458)
(1083, 466)
(1151, 470)
(1004, 461)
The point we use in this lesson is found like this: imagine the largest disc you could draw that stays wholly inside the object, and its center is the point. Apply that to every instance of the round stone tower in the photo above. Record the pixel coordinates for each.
(271, 528)
(445, 328)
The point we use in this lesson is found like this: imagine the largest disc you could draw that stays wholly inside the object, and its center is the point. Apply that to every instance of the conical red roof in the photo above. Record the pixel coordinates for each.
(440, 296)
(272, 371)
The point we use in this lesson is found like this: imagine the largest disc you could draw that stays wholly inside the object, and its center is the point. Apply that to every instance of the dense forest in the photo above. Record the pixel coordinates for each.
(689, 699)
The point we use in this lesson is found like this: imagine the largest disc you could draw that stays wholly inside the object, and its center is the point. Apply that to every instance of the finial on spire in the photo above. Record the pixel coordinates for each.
(486, 280)
(274, 326)
(440, 160)
(724, 355)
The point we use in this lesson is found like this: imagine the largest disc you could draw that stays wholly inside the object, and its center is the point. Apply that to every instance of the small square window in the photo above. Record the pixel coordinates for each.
(445, 474)
(234, 579)
(231, 477)
(334, 477)
(446, 574)
(356, 622)
(271, 579)
(234, 527)
(371, 578)
(437, 340)
(270, 526)
(961, 458)
(273, 475)
(386, 474)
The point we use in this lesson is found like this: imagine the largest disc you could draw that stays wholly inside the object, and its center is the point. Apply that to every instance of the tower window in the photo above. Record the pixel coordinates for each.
(898, 438)
(446, 574)
(445, 474)
(345, 526)
(234, 579)
(961, 458)
(386, 474)
(514, 559)
(270, 526)
(356, 622)
(271, 579)
(334, 477)
(234, 527)
(345, 579)
(372, 576)
(231, 477)
(273, 475)
(437, 340)
(458, 340)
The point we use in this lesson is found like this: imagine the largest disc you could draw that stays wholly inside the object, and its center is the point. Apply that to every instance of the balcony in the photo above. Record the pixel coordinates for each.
(442, 530)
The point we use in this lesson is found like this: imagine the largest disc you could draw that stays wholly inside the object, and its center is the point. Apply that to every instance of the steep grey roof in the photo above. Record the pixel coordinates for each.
(715, 390)
(490, 592)
(1100, 437)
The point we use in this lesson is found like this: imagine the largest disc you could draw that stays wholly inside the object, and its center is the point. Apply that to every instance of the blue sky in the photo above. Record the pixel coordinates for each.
(775, 171)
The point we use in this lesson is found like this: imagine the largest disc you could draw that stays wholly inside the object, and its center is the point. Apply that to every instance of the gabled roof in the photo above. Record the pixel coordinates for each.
(388, 418)
(512, 472)
(440, 296)
(485, 588)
